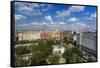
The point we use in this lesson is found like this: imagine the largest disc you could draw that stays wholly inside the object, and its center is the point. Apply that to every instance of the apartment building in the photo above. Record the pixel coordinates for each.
(27, 36)
(87, 41)
(50, 35)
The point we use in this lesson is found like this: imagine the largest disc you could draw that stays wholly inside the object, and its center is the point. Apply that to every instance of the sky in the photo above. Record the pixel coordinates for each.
(44, 16)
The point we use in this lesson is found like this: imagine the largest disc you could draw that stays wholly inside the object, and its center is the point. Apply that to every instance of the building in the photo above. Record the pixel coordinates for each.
(66, 33)
(55, 35)
(27, 36)
(87, 41)
(58, 49)
(50, 35)
(45, 35)
(35, 35)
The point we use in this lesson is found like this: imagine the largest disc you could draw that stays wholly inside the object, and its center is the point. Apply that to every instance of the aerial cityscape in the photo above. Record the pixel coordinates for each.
(48, 34)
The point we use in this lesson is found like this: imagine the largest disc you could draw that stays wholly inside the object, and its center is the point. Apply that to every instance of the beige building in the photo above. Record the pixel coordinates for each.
(34, 35)
(55, 35)
(50, 35)
(28, 36)
(66, 33)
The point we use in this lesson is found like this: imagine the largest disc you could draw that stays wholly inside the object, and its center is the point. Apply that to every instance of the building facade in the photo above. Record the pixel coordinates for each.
(27, 36)
(50, 35)
(87, 41)
(58, 49)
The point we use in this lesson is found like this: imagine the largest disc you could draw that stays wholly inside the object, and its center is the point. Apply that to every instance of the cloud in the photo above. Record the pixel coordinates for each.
(19, 17)
(25, 8)
(43, 5)
(93, 15)
(76, 8)
(28, 8)
(44, 23)
(73, 19)
(27, 5)
(48, 18)
(38, 26)
(32, 8)
(63, 13)
(34, 23)
(62, 23)
(45, 9)
(35, 5)
(68, 12)
(23, 25)
(53, 26)
(80, 26)
(30, 26)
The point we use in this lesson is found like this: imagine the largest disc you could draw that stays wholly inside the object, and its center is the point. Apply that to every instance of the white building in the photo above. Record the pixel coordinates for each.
(58, 49)
(87, 41)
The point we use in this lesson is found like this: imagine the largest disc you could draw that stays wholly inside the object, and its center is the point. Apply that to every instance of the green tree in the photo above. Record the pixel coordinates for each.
(65, 39)
(76, 51)
(91, 58)
(72, 55)
(75, 58)
(54, 59)
(50, 42)
(40, 53)
(38, 58)
(20, 50)
(20, 62)
(67, 55)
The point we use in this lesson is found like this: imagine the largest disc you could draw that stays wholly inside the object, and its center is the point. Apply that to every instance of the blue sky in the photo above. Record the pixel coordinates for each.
(40, 16)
